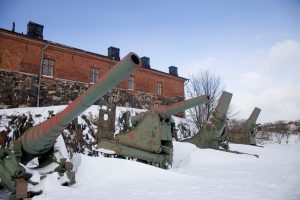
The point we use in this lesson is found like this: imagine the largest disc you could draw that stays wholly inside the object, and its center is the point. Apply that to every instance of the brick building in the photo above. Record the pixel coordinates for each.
(35, 72)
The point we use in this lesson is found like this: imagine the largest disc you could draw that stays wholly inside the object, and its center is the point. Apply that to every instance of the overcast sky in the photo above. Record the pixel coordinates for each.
(253, 45)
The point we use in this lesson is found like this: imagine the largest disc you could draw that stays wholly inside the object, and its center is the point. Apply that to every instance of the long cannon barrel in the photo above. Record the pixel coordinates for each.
(218, 117)
(182, 106)
(167, 111)
(251, 121)
(223, 103)
(40, 139)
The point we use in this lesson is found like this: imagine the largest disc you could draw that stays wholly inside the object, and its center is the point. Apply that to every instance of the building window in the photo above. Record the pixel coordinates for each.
(131, 83)
(94, 75)
(48, 66)
(159, 88)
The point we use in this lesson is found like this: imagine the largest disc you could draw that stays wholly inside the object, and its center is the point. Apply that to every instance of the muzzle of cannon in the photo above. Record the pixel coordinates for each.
(211, 134)
(149, 137)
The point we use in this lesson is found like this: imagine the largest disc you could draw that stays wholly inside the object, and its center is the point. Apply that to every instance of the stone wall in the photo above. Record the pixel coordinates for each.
(17, 90)
(20, 90)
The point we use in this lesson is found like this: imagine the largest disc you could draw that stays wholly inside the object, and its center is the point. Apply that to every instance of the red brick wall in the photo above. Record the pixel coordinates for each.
(146, 80)
(19, 53)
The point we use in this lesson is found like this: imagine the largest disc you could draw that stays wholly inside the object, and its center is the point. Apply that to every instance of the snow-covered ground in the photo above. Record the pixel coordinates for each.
(195, 174)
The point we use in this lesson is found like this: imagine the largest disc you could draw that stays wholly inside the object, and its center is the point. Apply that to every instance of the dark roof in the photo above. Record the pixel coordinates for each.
(155, 70)
(83, 51)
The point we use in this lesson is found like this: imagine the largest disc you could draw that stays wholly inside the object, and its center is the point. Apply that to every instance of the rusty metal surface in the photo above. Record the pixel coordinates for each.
(21, 188)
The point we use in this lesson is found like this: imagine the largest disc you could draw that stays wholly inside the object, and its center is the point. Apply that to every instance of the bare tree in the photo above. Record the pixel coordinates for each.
(204, 83)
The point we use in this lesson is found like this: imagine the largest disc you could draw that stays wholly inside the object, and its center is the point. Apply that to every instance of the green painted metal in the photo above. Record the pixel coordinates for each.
(157, 159)
(106, 122)
(247, 134)
(150, 139)
(10, 169)
(211, 135)
(172, 109)
(41, 138)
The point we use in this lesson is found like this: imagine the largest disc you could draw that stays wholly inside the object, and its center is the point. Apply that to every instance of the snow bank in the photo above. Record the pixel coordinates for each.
(196, 174)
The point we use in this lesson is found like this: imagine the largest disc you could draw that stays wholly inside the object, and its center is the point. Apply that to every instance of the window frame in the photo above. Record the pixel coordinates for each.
(94, 74)
(130, 85)
(159, 88)
(48, 67)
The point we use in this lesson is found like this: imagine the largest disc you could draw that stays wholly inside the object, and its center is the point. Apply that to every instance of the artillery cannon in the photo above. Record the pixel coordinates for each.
(212, 133)
(38, 141)
(247, 133)
(146, 136)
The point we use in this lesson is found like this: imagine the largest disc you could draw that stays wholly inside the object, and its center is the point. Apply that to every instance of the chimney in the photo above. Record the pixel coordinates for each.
(14, 27)
(173, 71)
(146, 62)
(114, 53)
(35, 30)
